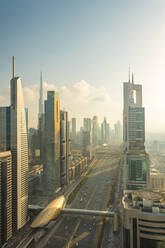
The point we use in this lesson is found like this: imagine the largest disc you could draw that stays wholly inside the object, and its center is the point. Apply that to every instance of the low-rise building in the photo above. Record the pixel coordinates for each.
(143, 219)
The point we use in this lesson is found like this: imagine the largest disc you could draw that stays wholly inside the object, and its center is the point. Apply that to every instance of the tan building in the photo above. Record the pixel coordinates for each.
(157, 181)
(143, 219)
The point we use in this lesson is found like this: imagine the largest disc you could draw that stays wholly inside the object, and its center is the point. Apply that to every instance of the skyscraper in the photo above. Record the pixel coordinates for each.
(41, 122)
(133, 118)
(19, 150)
(74, 130)
(105, 132)
(95, 131)
(41, 99)
(87, 124)
(5, 128)
(136, 160)
(5, 196)
(86, 144)
(65, 147)
(52, 142)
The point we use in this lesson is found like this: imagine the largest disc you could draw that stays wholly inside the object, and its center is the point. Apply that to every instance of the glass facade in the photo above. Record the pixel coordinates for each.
(136, 169)
(136, 187)
(151, 243)
(126, 238)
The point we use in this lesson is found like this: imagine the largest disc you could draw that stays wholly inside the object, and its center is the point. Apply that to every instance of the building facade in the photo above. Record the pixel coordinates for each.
(136, 161)
(133, 118)
(74, 131)
(52, 142)
(95, 131)
(65, 148)
(105, 132)
(87, 144)
(5, 128)
(5, 196)
(19, 150)
(143, 219)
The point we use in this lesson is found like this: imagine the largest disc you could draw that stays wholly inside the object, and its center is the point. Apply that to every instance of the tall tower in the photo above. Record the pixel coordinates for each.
(95, 131)
(65, 147)
(136, 171)
(19, 150)
(52, 142)
(41, 101)
(133, 117)
(73, 130)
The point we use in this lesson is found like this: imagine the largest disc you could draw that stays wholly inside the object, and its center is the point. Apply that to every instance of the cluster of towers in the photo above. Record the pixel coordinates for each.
(54, 141)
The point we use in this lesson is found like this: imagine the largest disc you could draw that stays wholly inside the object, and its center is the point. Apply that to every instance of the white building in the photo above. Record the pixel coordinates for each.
(19, 150)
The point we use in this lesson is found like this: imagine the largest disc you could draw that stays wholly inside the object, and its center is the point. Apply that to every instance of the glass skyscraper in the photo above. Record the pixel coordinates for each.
(19, 150)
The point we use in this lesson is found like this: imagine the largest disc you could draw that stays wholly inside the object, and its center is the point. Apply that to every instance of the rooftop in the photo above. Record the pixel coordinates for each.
(146, 201)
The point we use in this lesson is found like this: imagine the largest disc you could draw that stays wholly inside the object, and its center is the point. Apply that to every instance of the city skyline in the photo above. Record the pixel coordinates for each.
(103, 39)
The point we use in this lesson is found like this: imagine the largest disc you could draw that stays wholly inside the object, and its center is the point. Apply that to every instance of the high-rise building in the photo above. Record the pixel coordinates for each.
(41, 99)
(136, 170)
(27, 119)
(41, 122)
(74, 130)
(86, 144)
(87, 124)
(133, 118)
(105, 132)
(5, 128)
(19, 150)
(5, 196)
(52, 142)
(65, 148)
(95, 131)
(117, 131)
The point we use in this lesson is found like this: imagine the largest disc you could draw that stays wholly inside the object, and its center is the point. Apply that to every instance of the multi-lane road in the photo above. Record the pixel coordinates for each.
(95, 192)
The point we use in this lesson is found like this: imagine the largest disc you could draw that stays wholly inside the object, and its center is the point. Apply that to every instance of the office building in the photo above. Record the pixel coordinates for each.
(65, 148)
(5, 128)
(133, 118)
(19, 150)
(136, 161)
(157, 181)
(117, 131)
(5, 196)
(87, 124)
(105, 132)
(41, 98)
(41, 122)
(87, 144)
(52, 142)
(27, 119)
(143, 219)
(136, 171)
(95, 131)
(74, 131)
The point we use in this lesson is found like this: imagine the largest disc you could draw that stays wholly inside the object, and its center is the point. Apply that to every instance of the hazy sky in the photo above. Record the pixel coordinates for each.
(84, 48)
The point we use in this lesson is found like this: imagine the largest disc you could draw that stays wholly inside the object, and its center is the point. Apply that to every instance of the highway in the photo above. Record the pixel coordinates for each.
(84, 231)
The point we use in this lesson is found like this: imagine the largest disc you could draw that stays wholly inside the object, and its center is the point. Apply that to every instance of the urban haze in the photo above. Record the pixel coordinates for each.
(82, 124)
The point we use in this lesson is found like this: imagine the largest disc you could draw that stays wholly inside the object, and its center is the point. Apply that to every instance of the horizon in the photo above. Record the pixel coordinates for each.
(86, 55)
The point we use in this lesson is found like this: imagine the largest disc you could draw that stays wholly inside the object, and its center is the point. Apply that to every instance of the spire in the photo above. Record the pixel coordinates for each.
(13, 67)
(132, 78)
